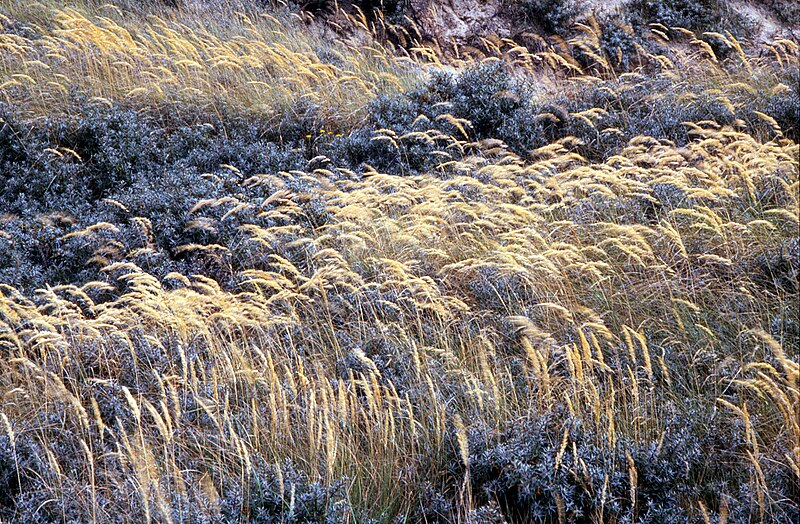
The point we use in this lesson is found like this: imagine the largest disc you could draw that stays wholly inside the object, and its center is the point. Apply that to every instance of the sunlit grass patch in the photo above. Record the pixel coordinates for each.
(273, 64)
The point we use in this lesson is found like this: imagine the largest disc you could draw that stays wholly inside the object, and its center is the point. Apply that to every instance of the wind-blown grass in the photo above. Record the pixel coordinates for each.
(480, 332)
(274, 64)
(493, 292)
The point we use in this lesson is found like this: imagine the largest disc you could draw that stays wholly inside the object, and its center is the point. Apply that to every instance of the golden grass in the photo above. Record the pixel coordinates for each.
(493, 289)
(189, 386)
(272, 64)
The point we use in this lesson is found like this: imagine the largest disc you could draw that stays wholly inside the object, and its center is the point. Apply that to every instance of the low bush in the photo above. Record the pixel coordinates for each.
(695, 15)
(534, 477)
(553, 16)
(488, 103)
(117, 165)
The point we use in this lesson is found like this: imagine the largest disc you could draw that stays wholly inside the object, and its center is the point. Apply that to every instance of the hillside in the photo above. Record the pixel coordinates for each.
(399, 261)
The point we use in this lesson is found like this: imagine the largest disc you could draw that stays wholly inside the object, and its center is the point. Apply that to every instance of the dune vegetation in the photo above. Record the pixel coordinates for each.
(275, 263)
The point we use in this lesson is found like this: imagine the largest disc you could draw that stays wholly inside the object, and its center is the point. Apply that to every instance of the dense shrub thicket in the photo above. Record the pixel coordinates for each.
(115, 166)
(490, 104)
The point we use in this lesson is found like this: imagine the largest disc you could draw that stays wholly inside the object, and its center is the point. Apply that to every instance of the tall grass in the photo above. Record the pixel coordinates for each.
(270, 61)
(494, 292)
(492, 335)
